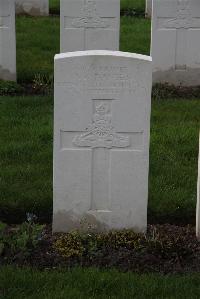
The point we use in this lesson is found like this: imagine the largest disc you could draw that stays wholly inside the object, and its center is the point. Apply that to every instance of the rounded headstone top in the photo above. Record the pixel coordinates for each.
(103, 53)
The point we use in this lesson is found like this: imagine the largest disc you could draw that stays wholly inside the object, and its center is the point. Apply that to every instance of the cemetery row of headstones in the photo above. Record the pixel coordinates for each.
(95, 24)
(102, 106)
(102, 116)
(41, 7)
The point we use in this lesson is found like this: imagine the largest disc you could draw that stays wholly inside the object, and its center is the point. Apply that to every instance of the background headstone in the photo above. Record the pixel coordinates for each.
(89, 25)
(101, 140)
(7, 40)
(176, 42)
(32, 7)
(148, 10)
(198, 198)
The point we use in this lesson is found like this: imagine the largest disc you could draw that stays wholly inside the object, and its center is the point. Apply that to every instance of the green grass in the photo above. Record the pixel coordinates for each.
(135, 35)
(54, 6)
(96, 284)
(38, 41)
(26, 159)
(25, 156)
(137, 5)
(173, 161)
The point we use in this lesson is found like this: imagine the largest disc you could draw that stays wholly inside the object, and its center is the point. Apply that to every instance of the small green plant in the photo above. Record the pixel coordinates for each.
(26, 238)
(21, 239)
(10, 88)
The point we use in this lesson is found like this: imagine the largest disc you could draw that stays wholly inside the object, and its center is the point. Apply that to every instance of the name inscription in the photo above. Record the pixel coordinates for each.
(109, 79)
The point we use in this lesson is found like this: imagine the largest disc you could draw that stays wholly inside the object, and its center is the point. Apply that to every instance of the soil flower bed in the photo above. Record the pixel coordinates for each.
(164, 249)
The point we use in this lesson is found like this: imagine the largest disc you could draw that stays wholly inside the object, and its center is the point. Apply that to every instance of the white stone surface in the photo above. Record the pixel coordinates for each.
(148, 10)
(101, 140)
(32, 7)
(89, 25)
(198, 198)
(7, 40)
(176, 41)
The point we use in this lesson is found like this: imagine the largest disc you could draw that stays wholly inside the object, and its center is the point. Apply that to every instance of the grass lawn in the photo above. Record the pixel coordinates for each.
(38, 41)
(173, 161)
(92, 283)
(137, 5)
(26, 156)
(26, 159)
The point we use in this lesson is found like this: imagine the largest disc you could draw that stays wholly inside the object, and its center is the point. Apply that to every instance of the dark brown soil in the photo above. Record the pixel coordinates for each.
(165, 249)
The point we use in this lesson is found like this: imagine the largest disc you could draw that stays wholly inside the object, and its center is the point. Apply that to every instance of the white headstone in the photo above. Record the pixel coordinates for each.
(148, 10)
(198, 198)
(176, 42)
(7, 40)
(32, 7)
(101, 140)
(89, 25)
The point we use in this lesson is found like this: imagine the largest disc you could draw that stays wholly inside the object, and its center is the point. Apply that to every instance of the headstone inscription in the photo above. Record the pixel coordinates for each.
(7, 40)
(89, 25)
(101, 140)
(198, 198)
(176, 42)
(32, 7)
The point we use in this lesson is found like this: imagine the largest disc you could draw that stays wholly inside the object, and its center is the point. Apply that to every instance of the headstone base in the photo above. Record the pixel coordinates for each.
(189, 77)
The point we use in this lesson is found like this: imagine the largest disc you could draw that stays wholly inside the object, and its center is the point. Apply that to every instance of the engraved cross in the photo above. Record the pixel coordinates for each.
(89, 19)
(181, 23)
(101, 138)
